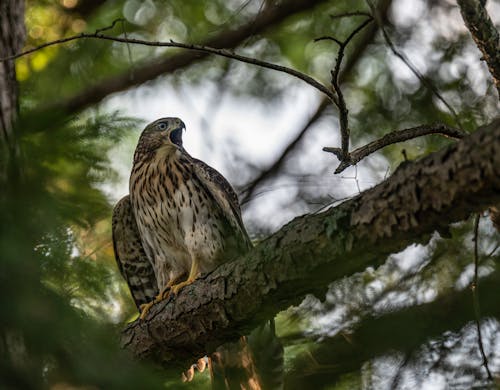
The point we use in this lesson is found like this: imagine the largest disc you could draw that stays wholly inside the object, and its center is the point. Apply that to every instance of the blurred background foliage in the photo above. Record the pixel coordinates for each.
(390, 327)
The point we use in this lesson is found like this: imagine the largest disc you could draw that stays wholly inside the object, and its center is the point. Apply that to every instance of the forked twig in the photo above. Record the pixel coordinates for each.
(343, 111)
(389, 139)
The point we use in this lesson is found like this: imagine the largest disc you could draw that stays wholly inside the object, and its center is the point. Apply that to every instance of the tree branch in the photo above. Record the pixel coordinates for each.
(475, 297)
(408, 327)
(343, 111)
(149, 71)
(199, 48)
(391, 138)
(313, 250)
(363, 41)
(484, 33)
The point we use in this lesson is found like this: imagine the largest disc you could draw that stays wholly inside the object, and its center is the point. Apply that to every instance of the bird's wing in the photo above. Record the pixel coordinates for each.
(224, 194)
(130, 256)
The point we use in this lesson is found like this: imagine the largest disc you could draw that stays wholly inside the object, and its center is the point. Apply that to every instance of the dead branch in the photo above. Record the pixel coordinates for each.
(199, 48)
(363, 41)
(391, 138)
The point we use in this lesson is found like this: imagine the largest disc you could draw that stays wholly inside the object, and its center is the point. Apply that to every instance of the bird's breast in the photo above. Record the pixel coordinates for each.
(175, 213)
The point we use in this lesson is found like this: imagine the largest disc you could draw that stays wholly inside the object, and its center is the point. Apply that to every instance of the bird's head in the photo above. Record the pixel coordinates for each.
(164, 134)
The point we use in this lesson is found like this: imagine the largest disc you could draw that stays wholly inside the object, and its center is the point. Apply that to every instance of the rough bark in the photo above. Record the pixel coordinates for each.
(12, 34)
(149, 71)
(484, 33)
(313, 250)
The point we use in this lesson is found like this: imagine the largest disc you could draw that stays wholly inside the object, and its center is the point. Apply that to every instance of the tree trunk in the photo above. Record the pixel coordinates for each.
(12, 35)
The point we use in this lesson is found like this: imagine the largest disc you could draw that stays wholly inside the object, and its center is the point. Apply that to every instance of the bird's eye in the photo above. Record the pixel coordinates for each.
(162, 126)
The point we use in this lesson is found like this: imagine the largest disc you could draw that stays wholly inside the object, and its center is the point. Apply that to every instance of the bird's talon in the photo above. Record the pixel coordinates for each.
(145, 309)
(164, 294)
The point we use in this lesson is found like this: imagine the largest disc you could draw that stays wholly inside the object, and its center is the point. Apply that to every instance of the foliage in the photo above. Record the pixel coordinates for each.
(59, 285)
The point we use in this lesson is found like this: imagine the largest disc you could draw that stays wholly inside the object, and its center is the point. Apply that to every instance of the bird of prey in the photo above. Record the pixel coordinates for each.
(182, 219)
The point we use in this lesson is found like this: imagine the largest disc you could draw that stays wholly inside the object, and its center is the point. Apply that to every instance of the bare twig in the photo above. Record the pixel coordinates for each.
(424, 80)
(484, 33)
(111, 26)
(349, 64)
(389, 139)
(343, 111)
(149, 70)
(206, 49)
(475, 298)
(348, 14)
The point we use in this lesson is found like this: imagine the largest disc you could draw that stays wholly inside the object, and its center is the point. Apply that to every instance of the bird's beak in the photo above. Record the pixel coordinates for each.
(176, 134)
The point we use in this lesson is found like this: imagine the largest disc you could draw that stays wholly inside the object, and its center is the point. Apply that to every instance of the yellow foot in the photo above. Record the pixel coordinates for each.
(177, 287)
(188, 375)
(145, 309)
(164, 294)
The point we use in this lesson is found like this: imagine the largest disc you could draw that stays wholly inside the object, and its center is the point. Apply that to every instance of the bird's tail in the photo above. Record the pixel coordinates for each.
(251, 363)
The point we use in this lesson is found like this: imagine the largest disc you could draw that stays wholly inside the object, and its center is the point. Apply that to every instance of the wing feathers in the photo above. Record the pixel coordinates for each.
(130, 256)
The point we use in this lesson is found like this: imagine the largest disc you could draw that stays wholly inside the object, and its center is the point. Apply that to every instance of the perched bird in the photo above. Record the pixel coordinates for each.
(182, 219)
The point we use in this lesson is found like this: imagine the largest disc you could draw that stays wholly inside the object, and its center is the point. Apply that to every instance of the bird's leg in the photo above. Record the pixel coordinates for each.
(164, 294)
(193, 274)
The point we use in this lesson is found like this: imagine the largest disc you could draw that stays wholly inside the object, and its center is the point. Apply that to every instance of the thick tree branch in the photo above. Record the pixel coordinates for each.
(484, 33)
(313, 250)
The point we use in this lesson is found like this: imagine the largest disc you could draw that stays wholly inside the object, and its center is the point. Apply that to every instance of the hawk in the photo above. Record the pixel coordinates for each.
(183, 219)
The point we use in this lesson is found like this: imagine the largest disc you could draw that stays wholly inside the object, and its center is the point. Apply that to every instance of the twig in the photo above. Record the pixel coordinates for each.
(349, 64)
(343, 111)
(128, 51)
(111, 26)
(389, 139)
(475, 297)
(424, 80)
(206, 49)
(348, 14)
(484, 33)
(155, 67)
